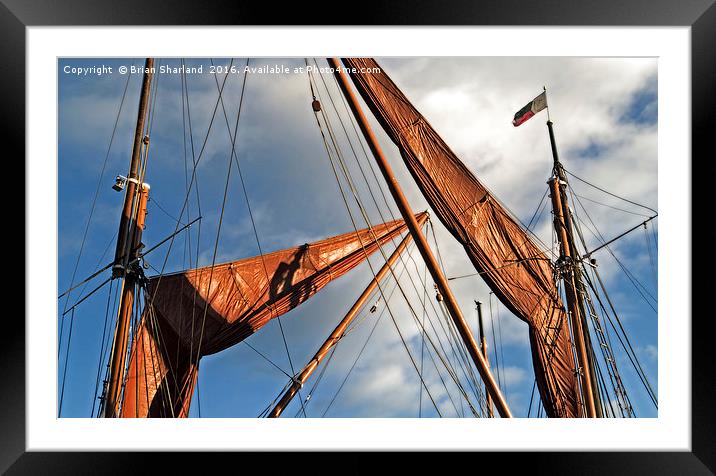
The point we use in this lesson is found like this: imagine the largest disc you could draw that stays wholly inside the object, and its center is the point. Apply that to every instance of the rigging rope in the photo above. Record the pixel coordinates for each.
(221, 214)
(542, 200)
(67, 356)
(347, 174)
(464, 358)
(96, 194)
(494, 343)
(652, 260)
(358, 201)
(605, 342)
(345, 200)
(609, 193)
(610, 206)
(157, 331)
(235, 157)
(82, 245)
(635, 282)
(102, 348)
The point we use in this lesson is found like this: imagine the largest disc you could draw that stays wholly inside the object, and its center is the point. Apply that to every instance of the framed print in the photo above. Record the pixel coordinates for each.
(207, 183)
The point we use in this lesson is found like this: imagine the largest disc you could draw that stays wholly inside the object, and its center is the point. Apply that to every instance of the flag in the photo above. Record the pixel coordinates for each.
(532, 108)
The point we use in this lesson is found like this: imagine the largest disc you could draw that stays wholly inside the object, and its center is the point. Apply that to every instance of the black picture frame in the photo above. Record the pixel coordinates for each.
(700, 15)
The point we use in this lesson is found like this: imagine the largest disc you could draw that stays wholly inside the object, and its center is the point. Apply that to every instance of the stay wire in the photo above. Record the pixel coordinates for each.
(603, 337)
(641, 289)
(459, 350)
(186, 198)
(347, 174)
(221, 214)
(362, 171)
(84, 236)
(610, 193)
(99, 184)
(628, 349)
(101, 348)
(253, 222)
(494, 343)
(635, 361)
(612, 207)
(67, 357)
(345, 200)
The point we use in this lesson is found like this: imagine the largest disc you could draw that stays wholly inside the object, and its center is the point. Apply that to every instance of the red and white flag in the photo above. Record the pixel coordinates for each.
(532, 108)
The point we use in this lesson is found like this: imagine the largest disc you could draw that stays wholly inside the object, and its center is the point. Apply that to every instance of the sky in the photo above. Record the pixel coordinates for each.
(605, 118)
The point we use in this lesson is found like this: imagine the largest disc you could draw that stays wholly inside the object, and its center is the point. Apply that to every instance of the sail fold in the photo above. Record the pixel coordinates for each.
(202, 311)
(511, 264)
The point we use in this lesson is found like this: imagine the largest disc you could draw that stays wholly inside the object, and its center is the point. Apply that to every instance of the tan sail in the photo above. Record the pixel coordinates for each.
(514, 268)
(203, 311)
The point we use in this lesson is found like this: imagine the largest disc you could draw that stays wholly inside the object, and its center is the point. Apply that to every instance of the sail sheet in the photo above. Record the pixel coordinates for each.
(514, 268)
(205, 310)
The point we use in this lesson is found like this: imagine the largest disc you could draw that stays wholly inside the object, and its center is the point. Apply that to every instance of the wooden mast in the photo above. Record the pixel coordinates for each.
(483, 345)
(341, 327)
(568, 265)
(421, 242)
(128, 240)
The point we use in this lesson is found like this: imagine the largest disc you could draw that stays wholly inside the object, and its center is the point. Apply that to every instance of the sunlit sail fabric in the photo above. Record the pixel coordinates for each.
(203, 311)
(513, 267)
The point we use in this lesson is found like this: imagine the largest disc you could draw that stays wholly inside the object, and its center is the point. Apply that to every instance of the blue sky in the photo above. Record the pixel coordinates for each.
(605, 114)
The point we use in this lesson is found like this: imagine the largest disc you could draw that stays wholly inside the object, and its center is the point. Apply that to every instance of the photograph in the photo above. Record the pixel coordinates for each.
(397, 237)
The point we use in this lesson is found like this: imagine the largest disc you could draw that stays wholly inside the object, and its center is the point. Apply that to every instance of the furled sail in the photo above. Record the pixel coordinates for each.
(513, 267)
(203, 311)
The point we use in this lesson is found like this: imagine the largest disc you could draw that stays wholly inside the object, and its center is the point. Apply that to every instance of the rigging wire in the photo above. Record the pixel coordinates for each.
(371, 166)
(422, 340)
(605, 343)
(328, 360)
(595, 232)
(609, 193)
(611, 206)
(606, 346)
(539, 205)
(416, 319)
(532, 394)
(67, 357)
(652, 259)
(96, 194)
(628, 349)
(502, 354)
(98, 271)
(319, 378)
(463, 356)
(221, 214)
(187, 123)
(360, 206)
(267, 359)
(494, 343)
(347, 175)
(606, 353)
(345, 200)
(82, 245)
(86, 296)
(340, 338)
(235, 157)
(193, 178)
(101, 347)
(641, 289)
(358, 356)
